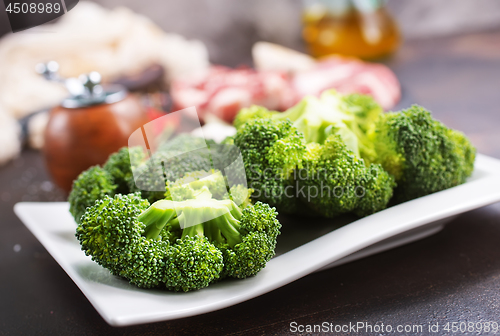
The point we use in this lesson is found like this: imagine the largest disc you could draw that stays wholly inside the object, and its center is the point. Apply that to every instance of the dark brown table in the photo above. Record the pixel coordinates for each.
(453, 276)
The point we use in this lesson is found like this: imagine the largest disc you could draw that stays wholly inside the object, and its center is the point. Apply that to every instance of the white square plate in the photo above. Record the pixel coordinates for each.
(301, 250)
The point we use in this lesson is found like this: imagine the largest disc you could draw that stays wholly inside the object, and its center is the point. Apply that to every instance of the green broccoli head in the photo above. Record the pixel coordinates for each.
(421, 153)
(170, 163)
(120, 167)
(242, 260)
(317, 120)
(183, 143)
(90, 186)
(271, 150)
(334, 181)
(260, 218)
(240, 194)
(183, 245)
(245, 238)
(254, 241)
(112, 235)
(249, 113)
(350, 116)
(204, 259)
(365, 111)
(363, 107)
(189, 186)
(205, 185)
(377, 190)
(125, 236)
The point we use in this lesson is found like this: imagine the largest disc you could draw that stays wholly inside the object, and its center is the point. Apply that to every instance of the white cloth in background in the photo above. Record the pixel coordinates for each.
(9, 137)
(88, 38)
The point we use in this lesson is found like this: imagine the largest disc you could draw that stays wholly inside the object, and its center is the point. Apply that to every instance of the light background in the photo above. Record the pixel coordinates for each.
(229, 28)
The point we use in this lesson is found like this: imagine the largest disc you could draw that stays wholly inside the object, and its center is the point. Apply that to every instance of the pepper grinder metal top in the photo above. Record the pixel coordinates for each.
(86, 90)
(95, 121)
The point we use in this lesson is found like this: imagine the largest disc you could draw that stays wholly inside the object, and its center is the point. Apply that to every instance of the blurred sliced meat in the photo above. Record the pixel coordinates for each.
(223, 91)
(348, 75)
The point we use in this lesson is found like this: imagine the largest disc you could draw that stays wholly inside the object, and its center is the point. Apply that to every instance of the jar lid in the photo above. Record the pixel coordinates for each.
(86, 90)
(110, 94)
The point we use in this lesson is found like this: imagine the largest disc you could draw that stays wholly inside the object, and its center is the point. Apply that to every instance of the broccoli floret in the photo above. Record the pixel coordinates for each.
(129, 171)
(366, 112)
(249, 113)
(315, 120)
(334, 181)
(421, 153)
(206, 185)
(363, 107)
(179, 245)
(261, 229)
(185, 188)
(271, 150)
(350, 116)
(240, 195)
(204, 259)
(112, 235)
(246, 238)
(173, 160)
(183, 143)
(115, 177)
(121, 235)
(120, 168)
(90, 186)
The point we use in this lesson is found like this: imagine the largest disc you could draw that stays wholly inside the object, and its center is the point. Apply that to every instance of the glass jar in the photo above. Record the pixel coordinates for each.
(360, 28)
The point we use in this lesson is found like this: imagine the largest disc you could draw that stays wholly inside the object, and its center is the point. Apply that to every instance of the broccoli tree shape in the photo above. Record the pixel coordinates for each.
(334, 181)
(180, 245)
(271, 150)
(90, 186)
(350, 116)
(131, 170)
(421, 153)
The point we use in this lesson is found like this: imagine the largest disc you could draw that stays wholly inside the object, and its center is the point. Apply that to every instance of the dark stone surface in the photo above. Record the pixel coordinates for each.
(457, 78)
(453, 276)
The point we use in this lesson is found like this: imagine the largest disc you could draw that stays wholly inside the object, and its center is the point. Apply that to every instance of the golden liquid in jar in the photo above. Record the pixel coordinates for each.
(366, 35)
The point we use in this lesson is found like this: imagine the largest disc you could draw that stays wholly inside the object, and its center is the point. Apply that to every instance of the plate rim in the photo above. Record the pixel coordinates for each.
(473, 194)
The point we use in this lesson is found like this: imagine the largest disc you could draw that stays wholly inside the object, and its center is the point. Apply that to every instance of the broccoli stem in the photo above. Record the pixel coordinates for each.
(194, 230)
(174, 224)
(223, 225)
(234, 210)
(155, 218)
(213, 233)
(230, 228)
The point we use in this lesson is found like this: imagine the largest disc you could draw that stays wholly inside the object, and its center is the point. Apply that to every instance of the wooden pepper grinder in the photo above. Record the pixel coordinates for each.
(94, 122)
